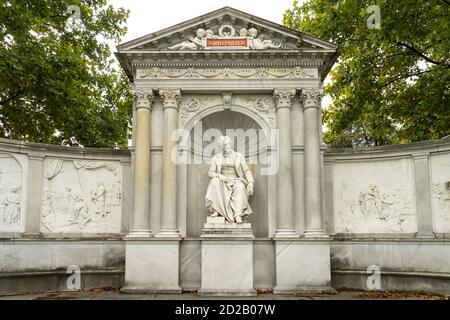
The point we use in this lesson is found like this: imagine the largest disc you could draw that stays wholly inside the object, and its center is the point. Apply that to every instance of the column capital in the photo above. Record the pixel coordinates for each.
(171, 98)
(283, 97)
(144, 98)
(311, 98)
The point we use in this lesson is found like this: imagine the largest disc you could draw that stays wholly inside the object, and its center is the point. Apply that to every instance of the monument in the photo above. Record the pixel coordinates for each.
(227, 188)
(228, 71)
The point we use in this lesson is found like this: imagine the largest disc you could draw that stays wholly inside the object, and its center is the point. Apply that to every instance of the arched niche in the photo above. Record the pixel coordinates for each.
(223, 122)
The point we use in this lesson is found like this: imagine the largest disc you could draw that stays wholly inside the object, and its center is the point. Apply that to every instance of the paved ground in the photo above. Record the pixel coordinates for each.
(113, 294)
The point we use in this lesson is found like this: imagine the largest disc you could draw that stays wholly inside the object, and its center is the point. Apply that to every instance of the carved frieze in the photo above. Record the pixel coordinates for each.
(227, 73)
(81, 196)
(375, 197)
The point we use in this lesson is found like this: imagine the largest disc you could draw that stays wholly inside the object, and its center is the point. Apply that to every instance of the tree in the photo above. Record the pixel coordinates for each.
(57, 75)
(391, 82)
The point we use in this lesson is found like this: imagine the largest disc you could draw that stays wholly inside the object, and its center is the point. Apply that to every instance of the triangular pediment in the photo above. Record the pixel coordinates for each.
(226, 29)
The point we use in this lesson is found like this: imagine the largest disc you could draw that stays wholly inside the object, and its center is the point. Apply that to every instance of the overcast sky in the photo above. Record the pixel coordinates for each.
(147, 16)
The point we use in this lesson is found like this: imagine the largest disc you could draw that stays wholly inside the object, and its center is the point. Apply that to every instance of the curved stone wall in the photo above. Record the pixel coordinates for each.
(389, 207)
(61, 206)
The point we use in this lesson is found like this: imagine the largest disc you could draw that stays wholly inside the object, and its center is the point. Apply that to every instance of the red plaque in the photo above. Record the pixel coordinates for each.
(241, 43)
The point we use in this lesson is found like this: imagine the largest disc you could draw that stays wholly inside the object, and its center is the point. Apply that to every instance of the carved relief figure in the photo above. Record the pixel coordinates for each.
(11, 195)
(443, 196)
(194, 43)
(10, 208)
(259, 44)
(231, 184)
(98, 200)
(371, 203)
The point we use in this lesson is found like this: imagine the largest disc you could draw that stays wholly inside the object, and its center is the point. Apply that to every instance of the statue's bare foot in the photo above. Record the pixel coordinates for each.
(214, 214)
(238, 219)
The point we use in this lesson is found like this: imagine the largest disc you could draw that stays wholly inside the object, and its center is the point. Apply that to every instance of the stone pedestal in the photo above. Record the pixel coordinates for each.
(152, 266)
(302, 266)
(216, 227)
(227, 259)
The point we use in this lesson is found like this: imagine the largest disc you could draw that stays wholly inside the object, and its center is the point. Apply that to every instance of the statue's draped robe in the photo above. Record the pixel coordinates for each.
(229, 199)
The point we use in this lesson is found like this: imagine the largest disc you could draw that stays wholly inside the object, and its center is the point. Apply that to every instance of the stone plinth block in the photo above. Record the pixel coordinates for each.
(227, 268)
(216, 227)
(302, 266)
(152, 266)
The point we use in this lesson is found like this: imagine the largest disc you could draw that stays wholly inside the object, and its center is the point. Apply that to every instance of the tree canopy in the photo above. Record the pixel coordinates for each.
(391, 83)
(57, 75)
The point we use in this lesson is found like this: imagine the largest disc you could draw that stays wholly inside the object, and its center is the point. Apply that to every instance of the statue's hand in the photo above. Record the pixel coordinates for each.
(250, 189)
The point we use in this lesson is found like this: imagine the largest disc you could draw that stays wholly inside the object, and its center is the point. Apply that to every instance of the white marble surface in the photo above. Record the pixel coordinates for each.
(152, 266)
(390, 255)
(302, 266)
(51, 255)
(264, 264)
(190, 265)
(227, 268)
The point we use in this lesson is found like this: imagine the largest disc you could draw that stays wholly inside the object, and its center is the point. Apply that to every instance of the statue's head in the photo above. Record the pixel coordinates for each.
(225, 144)
(253, 33)
(243, 32)
(201, 32)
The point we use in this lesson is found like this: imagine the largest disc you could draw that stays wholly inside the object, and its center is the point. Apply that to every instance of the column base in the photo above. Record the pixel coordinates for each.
(302, 266)
(286, 234)
(139, 234)
(172, 234)
(425, 235)
(152, 266)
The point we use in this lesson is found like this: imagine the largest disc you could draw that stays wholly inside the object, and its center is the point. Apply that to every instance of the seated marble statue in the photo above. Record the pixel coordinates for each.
(231, 184)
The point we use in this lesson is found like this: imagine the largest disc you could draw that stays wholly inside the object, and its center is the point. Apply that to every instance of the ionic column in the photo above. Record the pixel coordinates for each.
(169, 226)
(285, 194)
(140, 226)
(313, 195)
